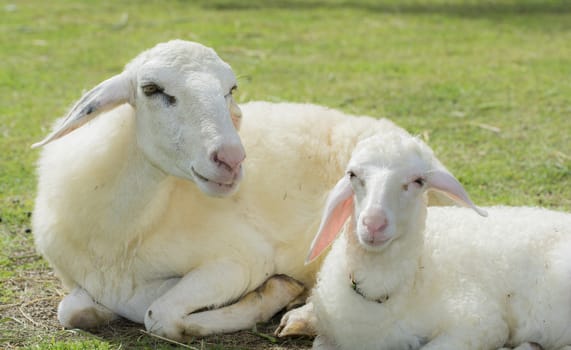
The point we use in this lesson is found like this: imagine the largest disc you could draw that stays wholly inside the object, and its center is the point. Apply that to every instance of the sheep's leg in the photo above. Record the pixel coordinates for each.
(526, 346)
(79, 310)
(529, 346)
(300, 321)
(257, 306)
(174, 315)
(323, 343)
(208, 286)
(472, 333)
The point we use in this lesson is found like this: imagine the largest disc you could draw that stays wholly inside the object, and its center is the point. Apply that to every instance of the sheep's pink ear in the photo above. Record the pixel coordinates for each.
(442, 180)
(338, 208)
(235, 114)
(108, 94)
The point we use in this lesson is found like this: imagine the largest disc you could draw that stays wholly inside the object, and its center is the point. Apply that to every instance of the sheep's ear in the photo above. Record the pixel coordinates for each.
(442, 180)
(338, 208)
(235, 114)
(108, 94)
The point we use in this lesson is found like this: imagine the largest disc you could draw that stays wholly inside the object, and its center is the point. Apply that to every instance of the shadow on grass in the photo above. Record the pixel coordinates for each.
(464, 9)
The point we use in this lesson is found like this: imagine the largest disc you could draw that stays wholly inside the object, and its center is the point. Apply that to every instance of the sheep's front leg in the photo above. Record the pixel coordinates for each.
(79, 310)
(478, 334)
(257, 306)
(300, 321)
(208, 286)
(178, 314)
(525, 346)
(321, 342)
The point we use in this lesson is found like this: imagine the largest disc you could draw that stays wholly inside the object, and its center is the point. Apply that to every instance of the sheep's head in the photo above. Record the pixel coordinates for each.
(186, 117)
(383, 189)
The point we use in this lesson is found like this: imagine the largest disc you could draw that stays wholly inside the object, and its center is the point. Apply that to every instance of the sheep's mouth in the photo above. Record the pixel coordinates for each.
(206, 180)
(374, 241)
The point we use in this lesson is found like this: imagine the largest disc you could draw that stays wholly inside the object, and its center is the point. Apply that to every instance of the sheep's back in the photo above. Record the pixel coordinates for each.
(517, 262)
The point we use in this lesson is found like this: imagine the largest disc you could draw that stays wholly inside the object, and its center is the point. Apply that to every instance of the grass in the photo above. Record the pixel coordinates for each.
(487, 83)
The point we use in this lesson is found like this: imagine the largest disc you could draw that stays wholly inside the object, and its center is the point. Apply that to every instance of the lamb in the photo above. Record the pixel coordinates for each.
(402, 276)
(127, 212)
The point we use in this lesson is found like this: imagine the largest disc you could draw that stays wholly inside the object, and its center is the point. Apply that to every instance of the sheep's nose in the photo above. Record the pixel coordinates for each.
(229, 156)
(375, 223)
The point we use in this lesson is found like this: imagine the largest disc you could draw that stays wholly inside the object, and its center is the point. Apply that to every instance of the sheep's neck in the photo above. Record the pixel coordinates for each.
(357, 289)
(139, 195)
(378, 275)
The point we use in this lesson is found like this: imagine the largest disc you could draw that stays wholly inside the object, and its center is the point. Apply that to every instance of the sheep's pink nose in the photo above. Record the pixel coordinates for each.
(229, 156)
(375, 223)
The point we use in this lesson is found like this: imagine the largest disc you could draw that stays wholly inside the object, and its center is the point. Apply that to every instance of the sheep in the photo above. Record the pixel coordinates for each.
(404, 276)
(128, 209)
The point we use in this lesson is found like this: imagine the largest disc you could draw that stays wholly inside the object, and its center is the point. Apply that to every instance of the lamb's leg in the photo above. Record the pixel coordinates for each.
(257, 306)
(300, 321)
(174, 315)
(79, 310)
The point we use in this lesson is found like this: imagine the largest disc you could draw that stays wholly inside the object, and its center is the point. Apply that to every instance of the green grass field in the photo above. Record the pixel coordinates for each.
(486, 83)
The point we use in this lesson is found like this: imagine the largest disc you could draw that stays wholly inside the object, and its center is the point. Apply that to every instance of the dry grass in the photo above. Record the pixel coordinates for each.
(32, 319)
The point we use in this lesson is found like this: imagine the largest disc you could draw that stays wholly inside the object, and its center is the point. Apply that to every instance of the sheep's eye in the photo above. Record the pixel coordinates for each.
(232, 90)
(171, 100)
(418, 183)
(151, 89)
(351, 175)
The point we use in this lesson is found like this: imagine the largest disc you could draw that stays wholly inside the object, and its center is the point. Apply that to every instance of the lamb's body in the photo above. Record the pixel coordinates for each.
(477, 284)
(404, 276)
(127, 241)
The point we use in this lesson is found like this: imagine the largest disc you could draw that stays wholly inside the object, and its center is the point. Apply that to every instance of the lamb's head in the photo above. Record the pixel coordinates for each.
(186, 118)
(384, 189)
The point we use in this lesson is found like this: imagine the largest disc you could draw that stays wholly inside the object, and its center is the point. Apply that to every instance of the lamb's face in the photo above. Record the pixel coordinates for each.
(388, 181)
(383, 191)
(187, 119)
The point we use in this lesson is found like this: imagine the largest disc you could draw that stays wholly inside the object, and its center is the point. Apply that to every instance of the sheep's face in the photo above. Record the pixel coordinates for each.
(187, 119)
(388, 181)
(383, 190)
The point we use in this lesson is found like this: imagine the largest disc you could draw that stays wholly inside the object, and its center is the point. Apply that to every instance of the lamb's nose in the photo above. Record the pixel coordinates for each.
(375, 223)
(229, 156)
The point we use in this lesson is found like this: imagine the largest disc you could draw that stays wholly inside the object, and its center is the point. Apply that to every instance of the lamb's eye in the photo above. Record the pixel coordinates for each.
(416, 183)
(171, 100)
(351, 175)
(151, 89)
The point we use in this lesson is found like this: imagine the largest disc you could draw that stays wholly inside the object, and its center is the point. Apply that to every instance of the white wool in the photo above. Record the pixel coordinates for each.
(463, 282)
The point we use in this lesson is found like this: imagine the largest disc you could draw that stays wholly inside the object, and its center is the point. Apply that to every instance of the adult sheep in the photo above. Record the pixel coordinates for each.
(126, 210)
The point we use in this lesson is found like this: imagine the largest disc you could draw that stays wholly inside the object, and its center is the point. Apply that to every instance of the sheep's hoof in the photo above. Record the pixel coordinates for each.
(297, 322)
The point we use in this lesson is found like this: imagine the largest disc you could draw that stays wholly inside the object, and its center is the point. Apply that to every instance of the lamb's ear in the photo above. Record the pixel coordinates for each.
(338, 208)
(108, 94)
(442, 180)
(235, 114)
